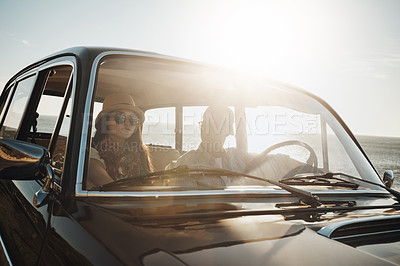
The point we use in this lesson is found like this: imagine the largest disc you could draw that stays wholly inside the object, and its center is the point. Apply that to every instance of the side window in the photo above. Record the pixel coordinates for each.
(53, 115)
(17, 107)
(52, 99)
(60, 145)
(159, 127)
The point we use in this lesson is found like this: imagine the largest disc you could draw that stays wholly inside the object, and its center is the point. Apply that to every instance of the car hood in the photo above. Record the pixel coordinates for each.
(212, 240)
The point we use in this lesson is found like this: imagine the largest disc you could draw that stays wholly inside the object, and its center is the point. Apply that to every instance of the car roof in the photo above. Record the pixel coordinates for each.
(88, 53)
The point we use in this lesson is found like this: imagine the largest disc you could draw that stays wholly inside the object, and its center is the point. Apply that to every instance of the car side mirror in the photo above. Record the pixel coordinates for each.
(388, 178)
(21, 160)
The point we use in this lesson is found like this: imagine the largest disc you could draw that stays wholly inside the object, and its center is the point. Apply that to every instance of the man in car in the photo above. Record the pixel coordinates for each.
(216, 126)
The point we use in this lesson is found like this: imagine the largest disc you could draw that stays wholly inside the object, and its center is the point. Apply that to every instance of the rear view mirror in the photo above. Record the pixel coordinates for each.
(22, 160)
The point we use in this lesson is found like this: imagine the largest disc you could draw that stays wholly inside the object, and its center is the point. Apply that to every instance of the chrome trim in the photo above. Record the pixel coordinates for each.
(86, 116)
(36, 70)
(5, 250)
(33, 72)
(7, 101)
(80, 192)
(156, 194)
(64, 62)
(85, 128)
(366, 234)
(225, 192)
(67, 61)
(73, 79)
(328, 230)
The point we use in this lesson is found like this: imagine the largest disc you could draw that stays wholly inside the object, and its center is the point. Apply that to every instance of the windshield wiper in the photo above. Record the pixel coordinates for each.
(318, 180)
(305, 196)
(330, 175)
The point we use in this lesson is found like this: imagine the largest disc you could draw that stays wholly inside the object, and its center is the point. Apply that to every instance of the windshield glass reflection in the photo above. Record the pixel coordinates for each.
(159, 115)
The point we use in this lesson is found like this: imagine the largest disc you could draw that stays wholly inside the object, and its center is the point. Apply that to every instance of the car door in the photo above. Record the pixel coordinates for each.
(33, 110)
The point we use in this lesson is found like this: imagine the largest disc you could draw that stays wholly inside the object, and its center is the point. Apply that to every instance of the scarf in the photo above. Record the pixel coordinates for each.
(120, 162)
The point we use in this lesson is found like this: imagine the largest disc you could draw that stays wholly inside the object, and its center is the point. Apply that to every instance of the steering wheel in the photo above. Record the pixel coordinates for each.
(259, 159)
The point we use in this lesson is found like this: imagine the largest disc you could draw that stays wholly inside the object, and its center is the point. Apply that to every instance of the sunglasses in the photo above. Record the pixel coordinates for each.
(121, 118)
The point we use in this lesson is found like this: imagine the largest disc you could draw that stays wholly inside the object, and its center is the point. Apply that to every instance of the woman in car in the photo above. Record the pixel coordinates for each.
(117, 149)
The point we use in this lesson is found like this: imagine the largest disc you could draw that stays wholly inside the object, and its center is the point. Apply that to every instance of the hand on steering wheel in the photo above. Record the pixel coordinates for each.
(311, 161)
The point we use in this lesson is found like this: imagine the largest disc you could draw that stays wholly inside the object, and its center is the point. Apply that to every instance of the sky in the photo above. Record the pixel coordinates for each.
(345, 51)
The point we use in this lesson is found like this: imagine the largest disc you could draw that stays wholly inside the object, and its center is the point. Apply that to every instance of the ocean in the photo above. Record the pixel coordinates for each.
(384, 153)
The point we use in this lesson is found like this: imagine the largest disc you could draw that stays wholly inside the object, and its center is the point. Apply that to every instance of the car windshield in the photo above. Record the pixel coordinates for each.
(155, 114)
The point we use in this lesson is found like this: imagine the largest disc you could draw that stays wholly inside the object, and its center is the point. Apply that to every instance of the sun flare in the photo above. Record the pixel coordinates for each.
(272, 39)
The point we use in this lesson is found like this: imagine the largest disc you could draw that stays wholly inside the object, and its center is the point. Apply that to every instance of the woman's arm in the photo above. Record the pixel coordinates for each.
(97, 174)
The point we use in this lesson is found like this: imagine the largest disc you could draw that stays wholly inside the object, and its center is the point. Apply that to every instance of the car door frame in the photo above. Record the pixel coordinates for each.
(20, 194)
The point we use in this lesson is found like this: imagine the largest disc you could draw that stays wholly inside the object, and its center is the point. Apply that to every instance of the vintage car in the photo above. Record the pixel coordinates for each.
(291, 184)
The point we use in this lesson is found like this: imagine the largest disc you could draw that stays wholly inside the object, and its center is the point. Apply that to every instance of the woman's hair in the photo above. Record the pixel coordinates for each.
(134, 143)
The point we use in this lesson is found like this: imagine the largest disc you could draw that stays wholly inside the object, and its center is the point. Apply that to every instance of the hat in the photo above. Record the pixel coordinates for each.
(117, 102)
